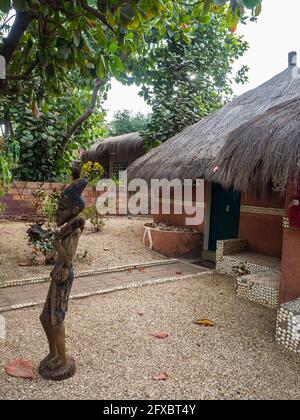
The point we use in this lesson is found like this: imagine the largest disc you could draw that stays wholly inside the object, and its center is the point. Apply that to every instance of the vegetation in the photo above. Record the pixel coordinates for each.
(96, 220)
(40, 133)
(93, 172)
(184, 82)
(42, 241)
(50, 39)
(53, 47)
(8, 159)
(125, 122)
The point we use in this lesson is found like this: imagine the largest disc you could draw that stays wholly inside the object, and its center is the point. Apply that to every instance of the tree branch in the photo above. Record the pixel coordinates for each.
(11, 42)
(72, 130)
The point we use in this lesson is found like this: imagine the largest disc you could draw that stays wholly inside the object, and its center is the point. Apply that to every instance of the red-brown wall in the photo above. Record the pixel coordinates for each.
(180, 219)
(290, 277)
(263, 232)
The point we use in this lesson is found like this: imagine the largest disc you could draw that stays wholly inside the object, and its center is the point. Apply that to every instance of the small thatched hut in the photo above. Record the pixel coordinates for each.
(248, 153)
(115, 153)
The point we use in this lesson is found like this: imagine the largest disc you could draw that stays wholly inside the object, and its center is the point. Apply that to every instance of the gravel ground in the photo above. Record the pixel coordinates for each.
(117, 357)
(120, 243)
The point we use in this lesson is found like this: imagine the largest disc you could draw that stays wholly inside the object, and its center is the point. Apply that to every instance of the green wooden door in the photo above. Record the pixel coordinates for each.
(225, 215)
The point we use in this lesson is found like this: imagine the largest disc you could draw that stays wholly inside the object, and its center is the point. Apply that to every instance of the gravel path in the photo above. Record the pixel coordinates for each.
(120, 243)
(117, 357)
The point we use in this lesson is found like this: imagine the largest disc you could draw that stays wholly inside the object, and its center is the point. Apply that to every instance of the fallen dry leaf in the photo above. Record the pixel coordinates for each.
(159, 334)
(20, 368)
(160, 376)
(178, 272)
(142, 270)
(205, 322)
(129, 270)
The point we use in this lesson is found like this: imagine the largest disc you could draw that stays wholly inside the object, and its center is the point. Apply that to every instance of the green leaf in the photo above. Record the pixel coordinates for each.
(119, 64)
(220, 3)
(19, 5)
(250, 4)
(113, 47)
(5, 6)
(76, 38)
(103, 5)
(100, 70)
(63, 52)
(258, 10)
(90, 66)
(205, 19)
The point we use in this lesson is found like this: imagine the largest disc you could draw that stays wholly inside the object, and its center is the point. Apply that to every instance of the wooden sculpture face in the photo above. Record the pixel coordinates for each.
(66, 211)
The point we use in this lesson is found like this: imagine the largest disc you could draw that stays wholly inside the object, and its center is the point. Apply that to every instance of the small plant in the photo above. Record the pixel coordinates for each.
(42, 242)
(96, 220)
(93, 172)
(2, 208)
(46, 204)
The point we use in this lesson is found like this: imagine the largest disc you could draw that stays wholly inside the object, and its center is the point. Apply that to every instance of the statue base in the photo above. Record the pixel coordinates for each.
(60, 374)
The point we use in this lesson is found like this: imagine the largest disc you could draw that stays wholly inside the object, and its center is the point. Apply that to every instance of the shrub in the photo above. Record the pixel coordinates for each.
(96, 220)
(93, 172)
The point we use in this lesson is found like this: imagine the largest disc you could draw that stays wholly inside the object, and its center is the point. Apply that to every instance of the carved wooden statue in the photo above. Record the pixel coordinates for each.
(58, 365)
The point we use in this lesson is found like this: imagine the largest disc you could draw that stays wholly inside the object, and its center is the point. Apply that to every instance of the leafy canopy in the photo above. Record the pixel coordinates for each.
(39, 139)
(125, 122)
(184, 82)
(96, 37)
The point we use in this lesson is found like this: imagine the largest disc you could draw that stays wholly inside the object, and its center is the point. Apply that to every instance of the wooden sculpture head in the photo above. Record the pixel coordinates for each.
(71, 203)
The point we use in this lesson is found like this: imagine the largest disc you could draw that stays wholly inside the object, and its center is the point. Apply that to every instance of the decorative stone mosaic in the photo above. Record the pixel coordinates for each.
(263, 210)
(262, 289)
(255, 282)
(288, 325)
(286, 224)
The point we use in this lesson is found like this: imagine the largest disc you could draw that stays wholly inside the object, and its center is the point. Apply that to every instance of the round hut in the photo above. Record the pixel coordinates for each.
(230, 214)
(115, 154)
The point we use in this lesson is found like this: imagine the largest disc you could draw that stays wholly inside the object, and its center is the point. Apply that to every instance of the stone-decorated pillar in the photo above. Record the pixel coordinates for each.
(290, 276)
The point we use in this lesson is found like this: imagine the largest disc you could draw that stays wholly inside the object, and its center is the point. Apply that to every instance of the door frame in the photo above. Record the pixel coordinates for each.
(207, 215)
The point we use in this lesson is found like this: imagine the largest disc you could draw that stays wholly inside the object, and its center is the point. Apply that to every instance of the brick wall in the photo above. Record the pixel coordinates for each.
(20, 198)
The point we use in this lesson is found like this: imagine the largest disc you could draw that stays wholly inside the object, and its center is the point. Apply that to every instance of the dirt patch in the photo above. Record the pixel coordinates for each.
(120, 243)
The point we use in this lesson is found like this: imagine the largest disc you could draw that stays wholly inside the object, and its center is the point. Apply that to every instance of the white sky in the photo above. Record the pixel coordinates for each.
(271, 39)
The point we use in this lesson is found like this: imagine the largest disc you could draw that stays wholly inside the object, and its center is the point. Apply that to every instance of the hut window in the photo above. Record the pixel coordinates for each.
(120, 165)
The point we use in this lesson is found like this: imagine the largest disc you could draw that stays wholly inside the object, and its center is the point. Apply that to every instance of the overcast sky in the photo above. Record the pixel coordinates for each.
(276, 33)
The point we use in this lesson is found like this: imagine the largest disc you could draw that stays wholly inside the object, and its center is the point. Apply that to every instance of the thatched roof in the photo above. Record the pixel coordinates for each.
(122, 145)
(262, 151)
(191, 153)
